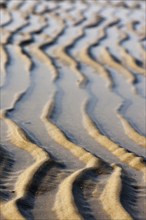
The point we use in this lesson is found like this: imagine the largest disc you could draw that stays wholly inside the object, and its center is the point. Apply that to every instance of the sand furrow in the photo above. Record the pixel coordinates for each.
(85, 57)
(91, 23)
(62, 54)
(17, 97)
(14, 25)
(131, 132)
(137, 57)
(56, 134)
(114, 21)
(15, 5)
(80, 18)
(5, 17)
(67, 17)
(128, 62)
(23, 39)
(110, 197)
(41, 8)
(141, 34)
(18, 137)
(36, 51)
(19, 89)
(36, 26)
(106, 59)
(57, 32)
(26, 59)
(3, 63)
(64, 196)
(28, 7)
(6, 162)
(5, 35)
(129, 158)
(95, 21)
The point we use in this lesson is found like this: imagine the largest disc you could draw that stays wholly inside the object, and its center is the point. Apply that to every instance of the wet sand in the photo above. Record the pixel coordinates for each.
(72, 110)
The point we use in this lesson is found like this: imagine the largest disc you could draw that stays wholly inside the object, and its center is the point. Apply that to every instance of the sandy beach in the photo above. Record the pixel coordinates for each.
(72, 110)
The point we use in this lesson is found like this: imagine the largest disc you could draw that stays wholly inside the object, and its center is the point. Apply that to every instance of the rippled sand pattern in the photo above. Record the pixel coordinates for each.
(72, 110)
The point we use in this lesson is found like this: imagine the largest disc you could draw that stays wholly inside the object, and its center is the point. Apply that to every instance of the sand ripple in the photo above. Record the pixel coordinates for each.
(62, 155)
